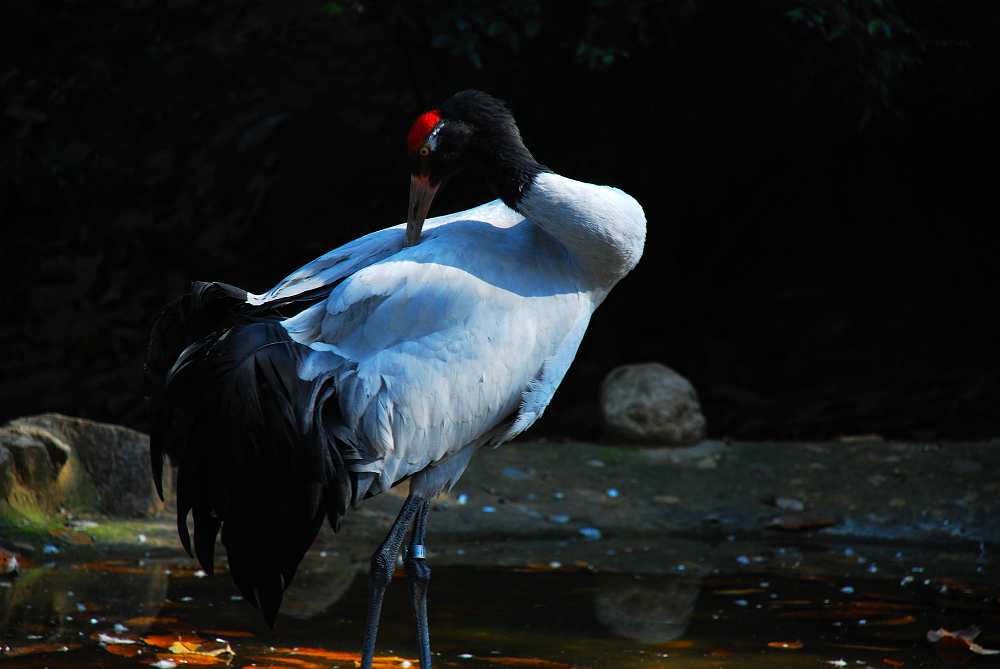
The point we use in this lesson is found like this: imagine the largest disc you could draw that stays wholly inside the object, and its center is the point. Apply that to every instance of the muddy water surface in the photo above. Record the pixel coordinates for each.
(730, 605)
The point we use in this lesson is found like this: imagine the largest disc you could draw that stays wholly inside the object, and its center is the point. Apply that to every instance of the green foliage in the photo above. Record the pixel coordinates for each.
(868, 35)
(467, 29)
(333, 8)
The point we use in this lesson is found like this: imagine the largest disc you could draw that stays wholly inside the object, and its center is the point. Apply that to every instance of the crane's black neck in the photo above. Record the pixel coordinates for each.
(510, 169)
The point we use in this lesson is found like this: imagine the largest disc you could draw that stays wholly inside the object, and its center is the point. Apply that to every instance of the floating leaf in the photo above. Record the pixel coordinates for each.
(901, 620)
(123, 650)
(964, 636)
(148, 621)
(212, 648)
(167, 640)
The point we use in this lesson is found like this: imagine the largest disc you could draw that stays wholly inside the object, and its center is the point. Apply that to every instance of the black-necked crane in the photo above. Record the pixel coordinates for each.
(396, 356)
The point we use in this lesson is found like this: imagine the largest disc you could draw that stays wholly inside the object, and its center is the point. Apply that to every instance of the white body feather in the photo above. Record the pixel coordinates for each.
(461, 340)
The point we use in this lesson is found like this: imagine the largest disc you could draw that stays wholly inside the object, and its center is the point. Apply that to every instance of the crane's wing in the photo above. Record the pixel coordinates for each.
(316, 278)
(437, 345)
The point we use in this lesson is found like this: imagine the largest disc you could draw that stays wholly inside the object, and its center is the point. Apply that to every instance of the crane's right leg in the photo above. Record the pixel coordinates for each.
(420, 577)
(382, 565)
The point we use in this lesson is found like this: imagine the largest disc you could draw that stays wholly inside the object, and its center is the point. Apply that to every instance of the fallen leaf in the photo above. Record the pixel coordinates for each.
(123, 650)
(965, 636)
(379, 662)
(205, 648)
(73, 536)
(147, 621)
(167, 640)
(114, 637)
(901, 620)
(796, 522)
(785, 645)
(893, 663)
(192, 658)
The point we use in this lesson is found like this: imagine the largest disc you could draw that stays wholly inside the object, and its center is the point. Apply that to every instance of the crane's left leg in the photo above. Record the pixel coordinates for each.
(382, 565)
(419, 574)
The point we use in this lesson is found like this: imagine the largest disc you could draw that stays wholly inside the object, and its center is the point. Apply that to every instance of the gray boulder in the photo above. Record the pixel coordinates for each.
(81, 464)
(651, 403)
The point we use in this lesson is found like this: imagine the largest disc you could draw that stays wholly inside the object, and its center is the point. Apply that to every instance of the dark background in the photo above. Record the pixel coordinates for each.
(819, 180)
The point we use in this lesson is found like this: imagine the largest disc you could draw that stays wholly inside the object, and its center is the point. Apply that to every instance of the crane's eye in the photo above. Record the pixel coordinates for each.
(424, 151)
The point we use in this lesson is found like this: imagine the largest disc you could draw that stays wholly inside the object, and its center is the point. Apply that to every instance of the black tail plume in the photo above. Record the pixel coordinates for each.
(247, 436)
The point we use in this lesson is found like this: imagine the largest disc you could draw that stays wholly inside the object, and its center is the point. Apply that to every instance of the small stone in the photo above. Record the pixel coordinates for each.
(489, 509)
(559, 519)
(612, 492)
(847, 590)
(591, 533)
(515, 474)
(463, 499)
(789, 503)
(50, 549)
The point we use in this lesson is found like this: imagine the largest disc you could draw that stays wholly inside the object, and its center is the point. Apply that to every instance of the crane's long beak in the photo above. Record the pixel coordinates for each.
(421, 195)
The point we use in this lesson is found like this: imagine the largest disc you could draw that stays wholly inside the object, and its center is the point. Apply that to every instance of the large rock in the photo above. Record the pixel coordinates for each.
(651, 403)
(7, 475)
(90, 465)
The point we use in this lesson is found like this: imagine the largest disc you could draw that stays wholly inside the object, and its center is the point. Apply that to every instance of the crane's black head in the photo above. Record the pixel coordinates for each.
(470, 128)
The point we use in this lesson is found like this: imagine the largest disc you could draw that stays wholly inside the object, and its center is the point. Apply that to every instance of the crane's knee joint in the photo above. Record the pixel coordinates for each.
(382, 566)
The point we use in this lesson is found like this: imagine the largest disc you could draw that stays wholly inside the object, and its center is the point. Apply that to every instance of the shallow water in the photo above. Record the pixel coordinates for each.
(763, 606)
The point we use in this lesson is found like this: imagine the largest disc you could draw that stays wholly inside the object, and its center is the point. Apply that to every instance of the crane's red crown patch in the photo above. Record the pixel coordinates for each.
(421, 127)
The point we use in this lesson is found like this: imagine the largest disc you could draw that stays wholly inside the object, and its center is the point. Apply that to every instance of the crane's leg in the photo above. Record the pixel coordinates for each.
(382, 565)
(419, 574)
